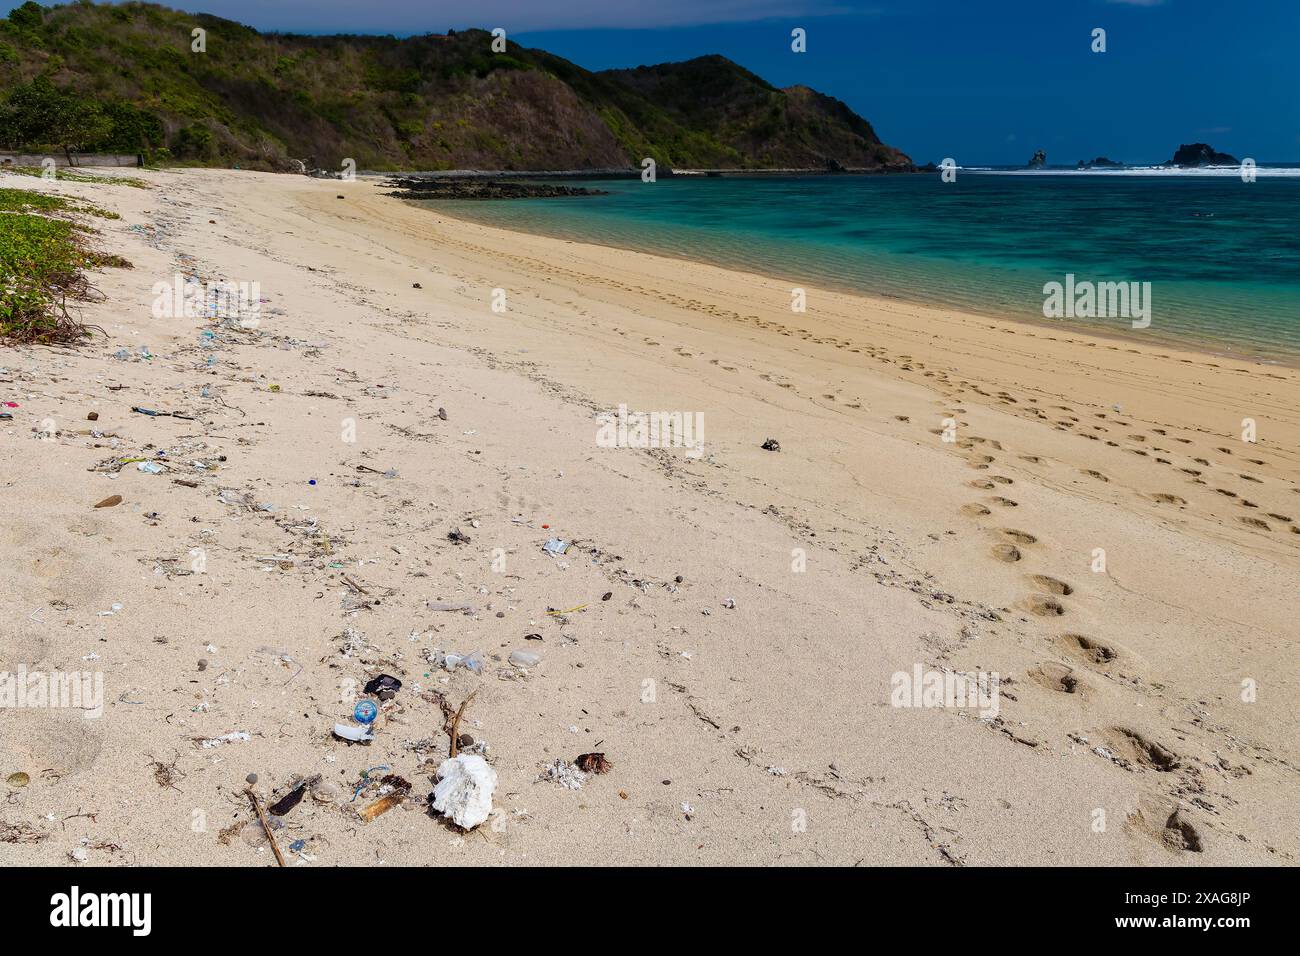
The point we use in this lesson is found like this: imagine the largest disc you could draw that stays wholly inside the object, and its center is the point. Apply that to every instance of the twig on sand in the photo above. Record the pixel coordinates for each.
(455, 724)
(257, 805)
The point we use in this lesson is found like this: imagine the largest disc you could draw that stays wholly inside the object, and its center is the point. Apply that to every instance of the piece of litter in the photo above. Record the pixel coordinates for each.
(355, 734)
(447, 606)
(525, 658)
(464, 790)
(473, 662)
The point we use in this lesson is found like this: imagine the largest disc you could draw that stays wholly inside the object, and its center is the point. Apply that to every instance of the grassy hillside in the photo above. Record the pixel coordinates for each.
(124, 78)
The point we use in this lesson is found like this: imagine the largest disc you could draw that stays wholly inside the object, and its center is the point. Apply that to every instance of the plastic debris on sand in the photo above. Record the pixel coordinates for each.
(464, 790)
(355, 734)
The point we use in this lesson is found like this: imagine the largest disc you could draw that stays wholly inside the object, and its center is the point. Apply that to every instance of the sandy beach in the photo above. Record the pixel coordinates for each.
(952, 493)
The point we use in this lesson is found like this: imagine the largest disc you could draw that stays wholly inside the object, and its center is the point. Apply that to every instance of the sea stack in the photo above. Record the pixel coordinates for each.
(1200, 154)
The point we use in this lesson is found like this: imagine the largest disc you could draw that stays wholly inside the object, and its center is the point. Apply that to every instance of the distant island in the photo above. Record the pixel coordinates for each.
(125, 79)
(1200, 154)
(1188, 155)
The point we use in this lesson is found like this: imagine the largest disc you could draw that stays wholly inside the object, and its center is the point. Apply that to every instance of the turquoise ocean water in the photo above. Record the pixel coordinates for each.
(1222, 256)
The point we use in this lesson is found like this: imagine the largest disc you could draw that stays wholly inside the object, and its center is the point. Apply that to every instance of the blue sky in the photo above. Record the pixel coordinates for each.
(982, 82)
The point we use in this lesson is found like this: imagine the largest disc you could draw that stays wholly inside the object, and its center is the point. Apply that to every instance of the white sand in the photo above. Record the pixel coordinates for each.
(772, 721)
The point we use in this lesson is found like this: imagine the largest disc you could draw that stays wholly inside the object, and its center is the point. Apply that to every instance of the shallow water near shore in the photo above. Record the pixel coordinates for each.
(1222, 256)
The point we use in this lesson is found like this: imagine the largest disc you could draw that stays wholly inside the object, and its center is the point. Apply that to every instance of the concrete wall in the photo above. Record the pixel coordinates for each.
(60, 160)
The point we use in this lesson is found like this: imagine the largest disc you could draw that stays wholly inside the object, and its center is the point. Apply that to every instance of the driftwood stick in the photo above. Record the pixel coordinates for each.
(257, 805)
(455, 724)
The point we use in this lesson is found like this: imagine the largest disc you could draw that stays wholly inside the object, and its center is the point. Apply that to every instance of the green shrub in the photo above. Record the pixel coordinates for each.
(194, 142)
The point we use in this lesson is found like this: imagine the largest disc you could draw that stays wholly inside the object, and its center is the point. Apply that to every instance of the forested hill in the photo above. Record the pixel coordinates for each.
(125, 78)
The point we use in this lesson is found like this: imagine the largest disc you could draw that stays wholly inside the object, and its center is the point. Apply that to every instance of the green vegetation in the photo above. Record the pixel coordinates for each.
(71, 177)
(124, 78)
(21, 200)
(41, 262)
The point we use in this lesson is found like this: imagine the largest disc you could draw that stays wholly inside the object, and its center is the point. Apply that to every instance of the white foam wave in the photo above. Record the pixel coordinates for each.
(1261, 172)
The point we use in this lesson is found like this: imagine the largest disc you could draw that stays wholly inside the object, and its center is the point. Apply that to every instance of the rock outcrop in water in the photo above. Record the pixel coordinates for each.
(1101, 162)
(1038, 160)
(1201, 154)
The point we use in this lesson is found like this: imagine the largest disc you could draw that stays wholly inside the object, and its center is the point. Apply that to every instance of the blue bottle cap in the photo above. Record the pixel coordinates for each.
(365, 712)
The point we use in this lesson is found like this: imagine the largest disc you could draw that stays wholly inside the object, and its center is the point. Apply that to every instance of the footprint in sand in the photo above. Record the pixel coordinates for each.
(1050, 585)
(1020, 537)
(64, 742)
(975, 511)
(1095, 474)
(983, 485)
(1044, 606)
(1001, 480)
(1165, 498)
(1057, 677)
(1004, 502)
(1138, 749)
(1006, 552)
(1087, 649)
(1178, 833)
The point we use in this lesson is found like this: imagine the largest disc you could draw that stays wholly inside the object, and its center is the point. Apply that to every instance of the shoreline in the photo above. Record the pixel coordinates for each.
(725, 628)
(1189, 344)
